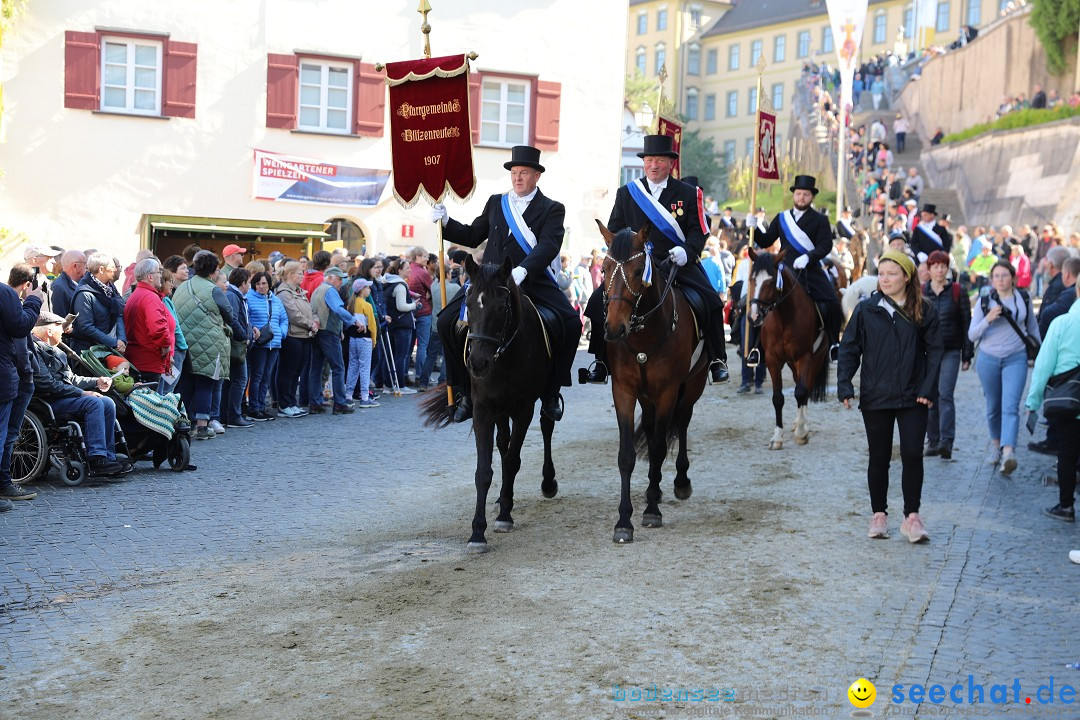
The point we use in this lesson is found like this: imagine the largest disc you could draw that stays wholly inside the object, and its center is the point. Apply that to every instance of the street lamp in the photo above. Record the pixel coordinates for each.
(644, 116)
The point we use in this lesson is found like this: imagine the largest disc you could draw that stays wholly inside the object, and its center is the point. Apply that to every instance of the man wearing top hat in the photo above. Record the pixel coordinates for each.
(806, 236)
(844, 227)
(684, 204)
(535, 257)
(929, 235)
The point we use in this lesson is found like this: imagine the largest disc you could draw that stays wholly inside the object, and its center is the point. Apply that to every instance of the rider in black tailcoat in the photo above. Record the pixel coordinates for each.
(545, 218)
(684, 203)
(929, 235)
(807, 264)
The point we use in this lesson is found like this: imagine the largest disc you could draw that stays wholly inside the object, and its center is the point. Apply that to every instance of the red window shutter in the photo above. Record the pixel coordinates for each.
(370, 101)
(179, 80)
(82, 87)
(282, 81)
(475, 81)
(546, 127)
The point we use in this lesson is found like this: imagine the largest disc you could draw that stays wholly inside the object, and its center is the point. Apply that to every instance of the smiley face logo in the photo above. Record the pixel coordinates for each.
(862, 693)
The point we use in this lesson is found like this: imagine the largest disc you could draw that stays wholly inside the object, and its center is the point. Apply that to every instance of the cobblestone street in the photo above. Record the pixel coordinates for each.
(300, 574)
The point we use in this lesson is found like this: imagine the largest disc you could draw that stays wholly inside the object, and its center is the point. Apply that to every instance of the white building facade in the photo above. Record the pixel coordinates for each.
(135, 124)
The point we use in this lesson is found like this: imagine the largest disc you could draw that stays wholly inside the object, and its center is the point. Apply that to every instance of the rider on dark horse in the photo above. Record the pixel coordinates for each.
(673, 210)
(526, 226)
(807, 237)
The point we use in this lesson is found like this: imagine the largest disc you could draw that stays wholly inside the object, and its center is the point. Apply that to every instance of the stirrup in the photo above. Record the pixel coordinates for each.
(753, 359)
(834, 352)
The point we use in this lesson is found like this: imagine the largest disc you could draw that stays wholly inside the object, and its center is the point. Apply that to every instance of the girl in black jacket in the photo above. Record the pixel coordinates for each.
(894, 333)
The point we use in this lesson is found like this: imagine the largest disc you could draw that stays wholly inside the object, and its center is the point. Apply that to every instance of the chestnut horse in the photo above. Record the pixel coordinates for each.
(656, 360)
(791, 335)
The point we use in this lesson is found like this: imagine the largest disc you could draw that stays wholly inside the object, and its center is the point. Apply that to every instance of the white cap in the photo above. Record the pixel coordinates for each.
(35, 249)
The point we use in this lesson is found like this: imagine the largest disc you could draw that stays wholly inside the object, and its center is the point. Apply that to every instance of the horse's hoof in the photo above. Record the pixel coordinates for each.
(775, 445)
(802, 440)
(683, 492)
(652, 521)
(550, 492)
(623, 535)
(477, 547)
(503, 526)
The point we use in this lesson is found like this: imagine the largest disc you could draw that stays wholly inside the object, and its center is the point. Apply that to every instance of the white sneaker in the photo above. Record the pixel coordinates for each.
(1074, 555)
(217, 427)
(407, 390)
(1008, 463)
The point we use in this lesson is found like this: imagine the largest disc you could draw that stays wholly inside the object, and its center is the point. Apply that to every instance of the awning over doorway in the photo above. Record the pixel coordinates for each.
(241, 230)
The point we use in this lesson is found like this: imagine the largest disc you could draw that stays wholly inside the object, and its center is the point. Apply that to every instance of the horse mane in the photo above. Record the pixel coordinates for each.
(764, 262)
(622, 245)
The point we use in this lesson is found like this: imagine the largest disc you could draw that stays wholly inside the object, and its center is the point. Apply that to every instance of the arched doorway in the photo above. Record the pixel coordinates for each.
(348, 233)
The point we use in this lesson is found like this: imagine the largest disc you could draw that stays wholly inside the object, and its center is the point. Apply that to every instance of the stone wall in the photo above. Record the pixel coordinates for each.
(965, 87)
(1029, 175)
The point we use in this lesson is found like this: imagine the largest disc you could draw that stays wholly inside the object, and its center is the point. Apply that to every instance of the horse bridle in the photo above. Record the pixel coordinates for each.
(637, 322)
(767, 306)
(501, 342)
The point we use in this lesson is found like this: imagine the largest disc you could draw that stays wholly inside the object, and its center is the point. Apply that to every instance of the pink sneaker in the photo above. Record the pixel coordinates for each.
(913, 529)
(879, 526)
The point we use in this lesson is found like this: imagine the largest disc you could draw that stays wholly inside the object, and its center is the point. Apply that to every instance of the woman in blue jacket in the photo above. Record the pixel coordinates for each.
(265, 310)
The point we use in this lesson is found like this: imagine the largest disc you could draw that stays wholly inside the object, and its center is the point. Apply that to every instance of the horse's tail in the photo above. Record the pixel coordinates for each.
(434, 410)
(821, 382)
(642, 433)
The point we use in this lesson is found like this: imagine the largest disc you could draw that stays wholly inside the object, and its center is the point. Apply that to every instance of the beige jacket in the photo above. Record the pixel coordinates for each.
(297, 307)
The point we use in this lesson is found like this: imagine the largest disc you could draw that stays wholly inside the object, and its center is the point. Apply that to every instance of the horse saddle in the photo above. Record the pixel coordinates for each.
(551, 324)
(699, 306)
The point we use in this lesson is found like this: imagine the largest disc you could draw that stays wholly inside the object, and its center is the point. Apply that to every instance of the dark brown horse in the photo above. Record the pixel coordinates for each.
(508, 363)
(657, 360)
(791, 335)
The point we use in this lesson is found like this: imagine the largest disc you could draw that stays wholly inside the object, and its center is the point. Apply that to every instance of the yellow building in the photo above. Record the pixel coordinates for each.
(718, 93)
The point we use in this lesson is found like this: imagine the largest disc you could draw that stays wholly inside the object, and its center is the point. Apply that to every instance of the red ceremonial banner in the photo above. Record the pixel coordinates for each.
(430, 143)
(768, 168)
(673, 130)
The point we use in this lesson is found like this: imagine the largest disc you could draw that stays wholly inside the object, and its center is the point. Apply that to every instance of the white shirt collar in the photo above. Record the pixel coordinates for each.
(797, 213)
(523, 198)
(655, 190)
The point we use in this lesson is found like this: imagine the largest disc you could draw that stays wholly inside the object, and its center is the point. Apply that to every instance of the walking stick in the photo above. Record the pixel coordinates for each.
(395, 387)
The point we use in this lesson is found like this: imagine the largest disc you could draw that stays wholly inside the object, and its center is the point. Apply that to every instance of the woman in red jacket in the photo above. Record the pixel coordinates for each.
(1020, 261)
(152, 334)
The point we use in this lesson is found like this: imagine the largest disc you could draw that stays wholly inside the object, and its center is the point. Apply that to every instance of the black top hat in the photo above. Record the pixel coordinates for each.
(690, 180)
(805, 182)
(659, 145)
(526, 156)
(930, 208)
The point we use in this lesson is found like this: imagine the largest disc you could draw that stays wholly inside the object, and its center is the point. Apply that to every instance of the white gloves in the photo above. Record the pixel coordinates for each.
(677, 255)
(801, 262)
(438, 212)
(922, 257)
(519, 274)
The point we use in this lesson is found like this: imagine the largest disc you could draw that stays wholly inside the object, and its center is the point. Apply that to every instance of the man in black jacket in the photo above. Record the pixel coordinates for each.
(535, 258)
(929, 235)
(806, 236)
(684, 204)
(76, 396)
(19, 307)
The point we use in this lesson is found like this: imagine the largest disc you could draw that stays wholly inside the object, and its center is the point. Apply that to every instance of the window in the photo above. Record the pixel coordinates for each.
(729, 152)
(908, 18)
(804, 49)
(778, 96)
(642, 23)
(755, 53)
(325, 92)
(630, 174)
(710, 107)
(661, 19)
(661, 58)
(826, 39)
(732, 103)
(779, 48)
(504, 112)
(942, 16)
(692, 103)
(750, 148)
(751, 101)
(695, 17)
(881, 27)
(733, 57)
(974, 12)
(639, 60)
(710, 62)
(693, 59)
(131, 76)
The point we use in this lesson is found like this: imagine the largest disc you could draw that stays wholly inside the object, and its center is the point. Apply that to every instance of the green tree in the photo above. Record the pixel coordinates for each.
(639, 89)
(1056, 22)
(698, 156)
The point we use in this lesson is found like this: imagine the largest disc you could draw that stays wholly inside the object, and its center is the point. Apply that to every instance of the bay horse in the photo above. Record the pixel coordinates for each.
(508, 362)
(790, 335)
(656, 360)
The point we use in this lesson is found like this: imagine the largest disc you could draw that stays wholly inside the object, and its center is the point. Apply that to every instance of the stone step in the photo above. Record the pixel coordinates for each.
(947, 201)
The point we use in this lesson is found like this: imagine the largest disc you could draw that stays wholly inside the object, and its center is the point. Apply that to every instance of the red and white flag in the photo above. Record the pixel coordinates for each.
(768, 167)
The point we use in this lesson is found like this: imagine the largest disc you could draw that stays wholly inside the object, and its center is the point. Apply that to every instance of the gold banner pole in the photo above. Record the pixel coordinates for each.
(662, 77)
(750, 210)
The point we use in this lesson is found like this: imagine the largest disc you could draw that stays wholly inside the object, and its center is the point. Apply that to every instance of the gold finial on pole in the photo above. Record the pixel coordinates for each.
(425, 27)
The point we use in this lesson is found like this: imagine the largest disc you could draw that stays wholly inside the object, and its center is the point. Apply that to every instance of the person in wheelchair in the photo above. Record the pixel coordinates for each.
(76, 396)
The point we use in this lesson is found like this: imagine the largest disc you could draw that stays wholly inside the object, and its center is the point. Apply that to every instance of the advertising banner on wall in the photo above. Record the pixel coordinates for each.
(297, 179)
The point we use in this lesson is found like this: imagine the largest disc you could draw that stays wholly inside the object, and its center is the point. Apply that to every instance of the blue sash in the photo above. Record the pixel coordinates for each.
(660, 218)
(932, 235)
(520, 234)
(795, 234)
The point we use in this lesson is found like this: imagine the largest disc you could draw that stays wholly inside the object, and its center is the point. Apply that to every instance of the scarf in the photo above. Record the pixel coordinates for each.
(106, 288)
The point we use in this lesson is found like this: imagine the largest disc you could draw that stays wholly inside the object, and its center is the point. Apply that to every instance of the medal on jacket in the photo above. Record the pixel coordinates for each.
(680, 210)
(674, 210)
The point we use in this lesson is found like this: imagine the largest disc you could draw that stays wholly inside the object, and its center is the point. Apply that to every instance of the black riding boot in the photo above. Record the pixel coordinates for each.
(597, 374)
(463, 405)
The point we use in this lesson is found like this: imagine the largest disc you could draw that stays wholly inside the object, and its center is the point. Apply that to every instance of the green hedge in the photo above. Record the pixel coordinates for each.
(1014, 120)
